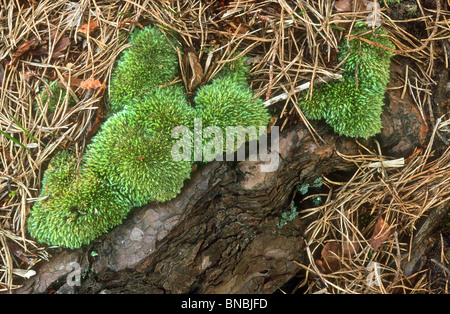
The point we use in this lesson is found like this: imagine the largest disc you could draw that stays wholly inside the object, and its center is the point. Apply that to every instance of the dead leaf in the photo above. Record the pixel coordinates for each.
(28, 75)
(344, 5)
(380, 233)
(24, 48)
(60, 47)
(238, 29)
(193, 68)
(347, 5)
(321, 266)
(89, 28)
(39, 51)
(333, 253)
(52, 36)
(19, 252)
(350, 248)
(36, 47)
(75, 82)
(330, 254)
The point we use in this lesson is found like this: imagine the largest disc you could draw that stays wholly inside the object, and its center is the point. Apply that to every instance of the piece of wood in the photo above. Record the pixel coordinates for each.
(220, 234)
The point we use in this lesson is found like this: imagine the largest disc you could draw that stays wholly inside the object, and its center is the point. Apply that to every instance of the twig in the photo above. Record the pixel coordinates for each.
(441, 266)
(274, 53)
(398, 260)
(299, 88)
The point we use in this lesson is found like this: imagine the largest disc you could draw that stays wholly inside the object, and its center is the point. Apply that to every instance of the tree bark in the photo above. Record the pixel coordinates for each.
(220, 234)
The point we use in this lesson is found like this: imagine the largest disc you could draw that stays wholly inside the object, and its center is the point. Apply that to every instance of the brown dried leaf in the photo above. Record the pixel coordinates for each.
(19, 252)
(61, 47)
(89, 28)
(344, 5)
(24, 48)
(39, 51)
(332, 254)
(321, 267)
(194, 69)
(240, 28)
(35, 47)
(380, 233)
(52, 35)
(28, 75)
(347, 5)
(350, 249)
(75, 82)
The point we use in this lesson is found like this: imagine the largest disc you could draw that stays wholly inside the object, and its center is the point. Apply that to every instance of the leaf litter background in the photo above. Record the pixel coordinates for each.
(366, 228)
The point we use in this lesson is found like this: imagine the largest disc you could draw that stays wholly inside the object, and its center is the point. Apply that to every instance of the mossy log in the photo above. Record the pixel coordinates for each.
(220, 235)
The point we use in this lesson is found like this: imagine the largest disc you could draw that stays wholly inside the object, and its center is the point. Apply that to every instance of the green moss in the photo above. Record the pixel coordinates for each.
(129, 162)
(162, 109)
(136, 157)
(353, 106)
(314, 106)
(369, 63)
(78, 207)
(151, 62)
(229, 102)
(358, 111)
(224, 103)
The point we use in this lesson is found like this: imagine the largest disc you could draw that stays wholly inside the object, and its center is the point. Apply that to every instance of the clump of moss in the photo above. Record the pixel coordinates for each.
(229, 101)
(79, 206)
(353, 106)
(224, 103)
(129, 162)
(133, 149)
(151, 62)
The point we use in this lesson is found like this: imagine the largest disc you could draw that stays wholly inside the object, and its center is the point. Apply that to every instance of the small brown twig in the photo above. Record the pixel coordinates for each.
(274, 53)
(300, 88)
